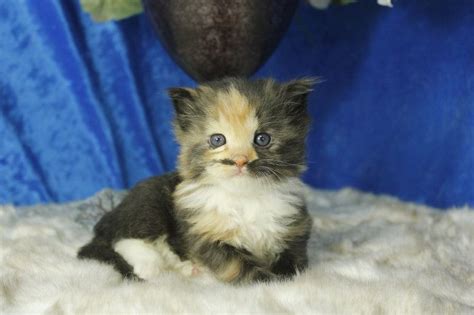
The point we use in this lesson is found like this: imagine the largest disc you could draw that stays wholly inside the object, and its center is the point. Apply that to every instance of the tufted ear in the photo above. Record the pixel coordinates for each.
(184, 102)
(297, 91)
(182, 98)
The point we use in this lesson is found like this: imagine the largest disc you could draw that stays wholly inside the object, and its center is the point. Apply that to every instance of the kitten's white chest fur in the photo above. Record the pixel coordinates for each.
(242, 211)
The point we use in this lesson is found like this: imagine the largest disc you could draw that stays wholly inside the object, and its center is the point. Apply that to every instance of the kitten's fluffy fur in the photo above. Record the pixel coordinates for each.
(242, 224)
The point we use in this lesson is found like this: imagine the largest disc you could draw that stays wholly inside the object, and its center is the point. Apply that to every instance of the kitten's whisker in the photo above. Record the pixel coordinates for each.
(271, 172)
(278, 162)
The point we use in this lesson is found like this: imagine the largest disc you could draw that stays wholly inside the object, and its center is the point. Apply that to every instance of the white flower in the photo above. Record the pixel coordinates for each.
(387, 3)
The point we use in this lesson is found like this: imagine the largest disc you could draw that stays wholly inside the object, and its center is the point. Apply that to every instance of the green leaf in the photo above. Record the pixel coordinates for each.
(106, 10)
(344, 2)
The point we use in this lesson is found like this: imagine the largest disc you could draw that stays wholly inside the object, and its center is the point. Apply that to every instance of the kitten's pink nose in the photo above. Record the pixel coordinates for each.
(241, 160)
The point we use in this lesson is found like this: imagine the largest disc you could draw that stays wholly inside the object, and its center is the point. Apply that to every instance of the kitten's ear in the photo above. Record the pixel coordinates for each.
(297, 91)
(182, 99)
(184, 104)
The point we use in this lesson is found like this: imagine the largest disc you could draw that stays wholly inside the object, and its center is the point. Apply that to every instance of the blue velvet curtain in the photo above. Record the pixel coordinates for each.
(83, 105)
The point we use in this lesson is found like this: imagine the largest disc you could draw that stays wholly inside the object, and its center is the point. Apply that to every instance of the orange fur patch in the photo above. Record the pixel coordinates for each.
(236, 119)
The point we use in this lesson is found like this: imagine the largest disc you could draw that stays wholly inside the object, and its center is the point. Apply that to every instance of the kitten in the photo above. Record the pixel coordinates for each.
(235, 206)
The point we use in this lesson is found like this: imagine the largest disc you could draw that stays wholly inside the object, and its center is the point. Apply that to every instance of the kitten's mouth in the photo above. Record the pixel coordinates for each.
(260, 168)
(236, 170)
(240, 171)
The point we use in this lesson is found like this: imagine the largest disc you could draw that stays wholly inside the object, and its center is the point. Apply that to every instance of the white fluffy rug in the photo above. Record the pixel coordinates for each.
(368, 254)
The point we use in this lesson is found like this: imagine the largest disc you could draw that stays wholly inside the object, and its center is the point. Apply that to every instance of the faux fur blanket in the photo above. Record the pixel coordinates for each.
(368, 254)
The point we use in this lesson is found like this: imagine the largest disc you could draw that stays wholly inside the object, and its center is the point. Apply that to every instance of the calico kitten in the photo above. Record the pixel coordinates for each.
(235, 206)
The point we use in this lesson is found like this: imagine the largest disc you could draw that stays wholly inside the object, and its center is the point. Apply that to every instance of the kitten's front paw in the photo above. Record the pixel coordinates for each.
(187, 268)
(191, 270)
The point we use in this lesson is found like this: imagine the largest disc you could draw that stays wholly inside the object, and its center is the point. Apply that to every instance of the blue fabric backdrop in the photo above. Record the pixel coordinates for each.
(83, 105)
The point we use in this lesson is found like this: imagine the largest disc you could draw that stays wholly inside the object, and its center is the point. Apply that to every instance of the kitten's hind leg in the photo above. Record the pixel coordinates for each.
(102, 250)
(146, 261)
(150, 258)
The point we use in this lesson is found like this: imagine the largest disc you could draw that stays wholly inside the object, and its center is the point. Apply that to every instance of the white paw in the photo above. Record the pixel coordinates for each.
(185, 268)
(142, 256)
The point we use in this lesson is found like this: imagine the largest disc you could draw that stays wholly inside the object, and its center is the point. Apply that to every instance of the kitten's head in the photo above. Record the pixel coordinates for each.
(235, 128)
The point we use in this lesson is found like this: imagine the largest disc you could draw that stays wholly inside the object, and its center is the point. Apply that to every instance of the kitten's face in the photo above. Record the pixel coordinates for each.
(234, 129)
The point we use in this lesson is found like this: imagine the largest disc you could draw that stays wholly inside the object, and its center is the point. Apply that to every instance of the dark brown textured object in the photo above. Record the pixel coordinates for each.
(212, 39)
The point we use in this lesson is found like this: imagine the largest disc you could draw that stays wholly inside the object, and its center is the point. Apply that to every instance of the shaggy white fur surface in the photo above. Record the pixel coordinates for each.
(368, 254)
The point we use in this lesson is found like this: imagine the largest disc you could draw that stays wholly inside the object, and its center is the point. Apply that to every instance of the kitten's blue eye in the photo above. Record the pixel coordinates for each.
(262, 139)
(217, 140)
